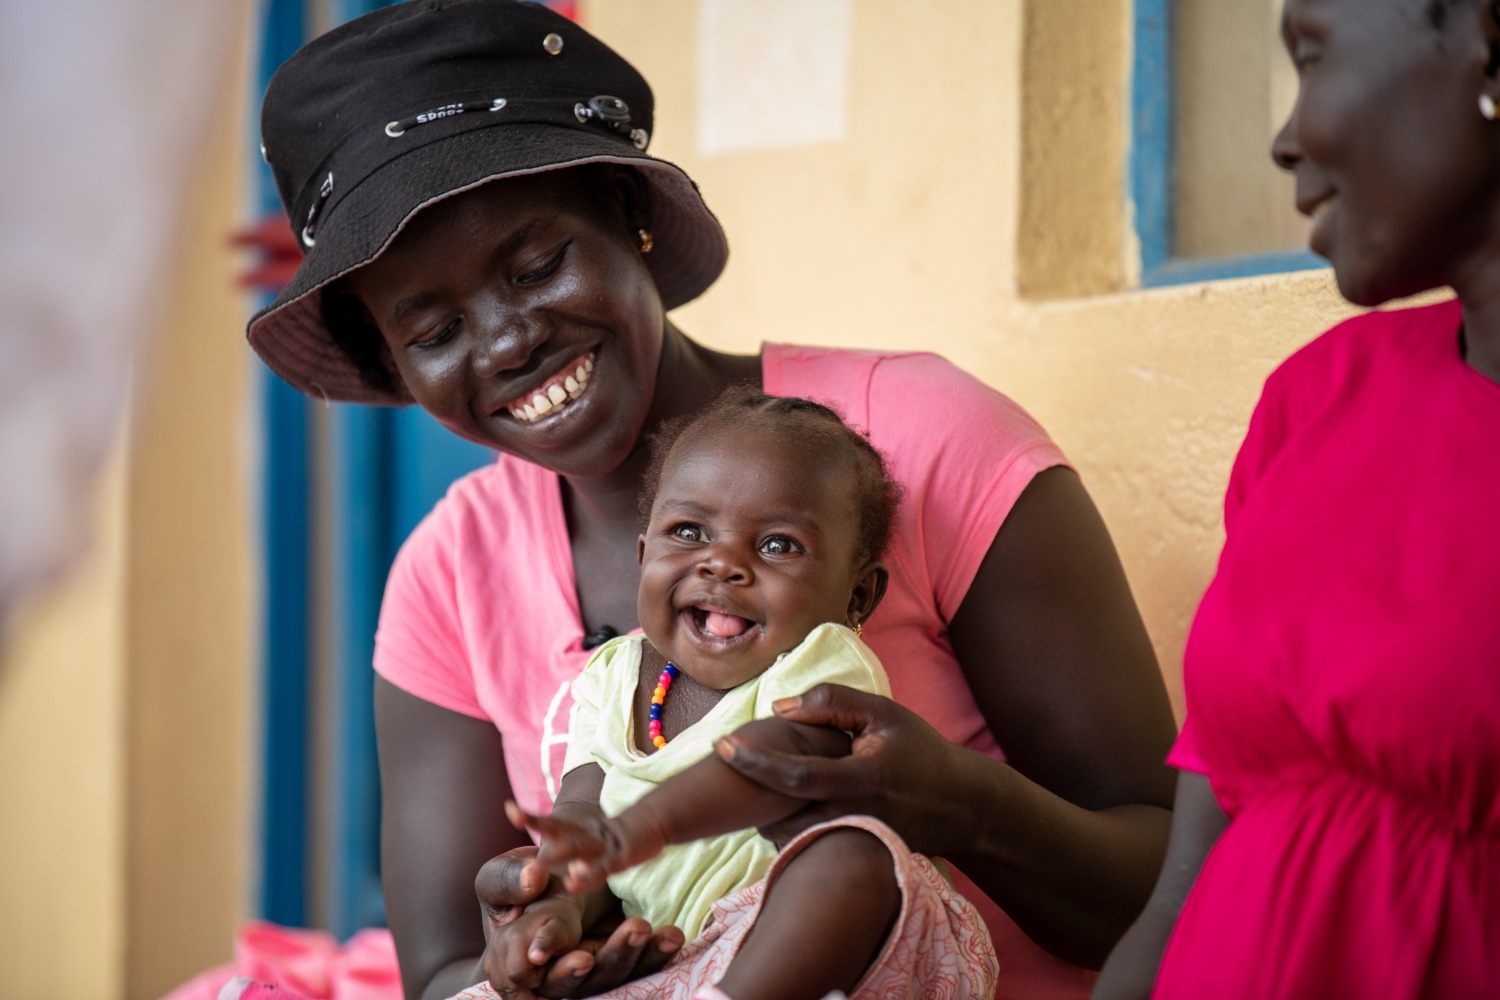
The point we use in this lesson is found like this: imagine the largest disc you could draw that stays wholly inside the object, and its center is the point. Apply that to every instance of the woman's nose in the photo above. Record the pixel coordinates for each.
(1284, 148)
(505, 338)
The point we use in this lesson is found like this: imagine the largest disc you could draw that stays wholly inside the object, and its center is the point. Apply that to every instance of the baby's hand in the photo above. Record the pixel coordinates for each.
(589, 846)
(517, 953)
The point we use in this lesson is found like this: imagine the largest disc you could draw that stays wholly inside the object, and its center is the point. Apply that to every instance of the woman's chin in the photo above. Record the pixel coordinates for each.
(1368, 290)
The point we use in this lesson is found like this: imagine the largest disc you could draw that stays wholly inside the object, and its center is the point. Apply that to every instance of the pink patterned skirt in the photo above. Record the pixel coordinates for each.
(939, 948)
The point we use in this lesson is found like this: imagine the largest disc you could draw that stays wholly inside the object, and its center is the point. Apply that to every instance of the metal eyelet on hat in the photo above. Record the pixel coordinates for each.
(553, 43)
(613, 114)
(324, 191)
(399, 127)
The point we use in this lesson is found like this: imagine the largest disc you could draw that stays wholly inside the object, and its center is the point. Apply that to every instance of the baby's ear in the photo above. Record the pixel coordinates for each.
(869, 588)
(640, 549)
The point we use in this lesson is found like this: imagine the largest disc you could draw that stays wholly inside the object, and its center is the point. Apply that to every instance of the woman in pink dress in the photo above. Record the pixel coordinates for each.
(1337, 830)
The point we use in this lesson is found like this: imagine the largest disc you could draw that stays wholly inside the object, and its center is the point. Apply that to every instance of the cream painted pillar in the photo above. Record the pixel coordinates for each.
(62, 876)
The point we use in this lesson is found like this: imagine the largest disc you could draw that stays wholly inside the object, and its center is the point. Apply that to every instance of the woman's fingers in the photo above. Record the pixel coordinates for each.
(512, 879)
(814, 778)
(839, 706)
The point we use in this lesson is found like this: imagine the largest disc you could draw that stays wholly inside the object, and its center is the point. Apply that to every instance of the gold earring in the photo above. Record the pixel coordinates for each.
(644, 235)
(1487, 107)
(859, 629)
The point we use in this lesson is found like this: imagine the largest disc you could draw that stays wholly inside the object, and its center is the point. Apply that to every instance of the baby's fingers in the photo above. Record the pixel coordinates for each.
(583, 876)
(523, 820)
(551, 938)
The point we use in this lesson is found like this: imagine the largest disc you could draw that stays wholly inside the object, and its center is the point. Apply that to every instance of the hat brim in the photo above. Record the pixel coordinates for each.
(688, 254)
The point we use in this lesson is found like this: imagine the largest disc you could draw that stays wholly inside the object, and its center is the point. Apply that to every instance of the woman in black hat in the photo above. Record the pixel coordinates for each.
(486, 236)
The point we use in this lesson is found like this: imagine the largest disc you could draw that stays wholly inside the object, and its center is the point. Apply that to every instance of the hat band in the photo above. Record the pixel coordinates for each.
(379, 144)
(398, 128)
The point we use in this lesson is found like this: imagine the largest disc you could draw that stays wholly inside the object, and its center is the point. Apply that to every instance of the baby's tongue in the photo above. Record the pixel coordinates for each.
(724, 626)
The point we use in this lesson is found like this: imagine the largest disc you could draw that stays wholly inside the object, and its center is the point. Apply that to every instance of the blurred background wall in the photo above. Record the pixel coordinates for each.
(1070, 198)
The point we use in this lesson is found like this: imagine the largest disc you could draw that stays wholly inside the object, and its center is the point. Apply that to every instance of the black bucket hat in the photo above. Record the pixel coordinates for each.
(377, 119)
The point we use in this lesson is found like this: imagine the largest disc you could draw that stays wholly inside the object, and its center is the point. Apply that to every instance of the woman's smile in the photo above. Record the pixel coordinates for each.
(556, 394)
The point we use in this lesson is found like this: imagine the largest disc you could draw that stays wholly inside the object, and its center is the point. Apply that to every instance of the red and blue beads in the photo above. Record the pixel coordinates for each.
(658, 698)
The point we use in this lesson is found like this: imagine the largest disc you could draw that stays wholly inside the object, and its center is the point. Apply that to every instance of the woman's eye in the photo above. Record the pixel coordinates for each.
(687, 533)
(439, 338)
(1305, 53)
(778, 545)
(546, 270)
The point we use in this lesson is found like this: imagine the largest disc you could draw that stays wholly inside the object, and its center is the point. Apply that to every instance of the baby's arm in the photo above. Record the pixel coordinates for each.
(518, 952)
(706, 800)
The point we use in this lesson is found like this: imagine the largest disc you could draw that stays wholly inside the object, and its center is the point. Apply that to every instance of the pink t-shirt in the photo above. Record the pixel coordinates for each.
(481, 610)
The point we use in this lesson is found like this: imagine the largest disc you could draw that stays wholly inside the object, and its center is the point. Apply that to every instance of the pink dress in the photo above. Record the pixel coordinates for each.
(1343, 682)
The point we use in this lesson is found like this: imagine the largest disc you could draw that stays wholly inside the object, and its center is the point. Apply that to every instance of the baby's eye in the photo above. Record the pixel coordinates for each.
(778, 545)
(687, 533)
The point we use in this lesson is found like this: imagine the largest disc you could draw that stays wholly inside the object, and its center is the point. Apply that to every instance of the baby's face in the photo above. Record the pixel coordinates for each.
(750, 546)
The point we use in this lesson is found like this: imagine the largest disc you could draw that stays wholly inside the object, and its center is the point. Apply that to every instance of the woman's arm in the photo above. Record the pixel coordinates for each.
(443, 787)
(1068, 835)
(1062, 669)
(1197, 822)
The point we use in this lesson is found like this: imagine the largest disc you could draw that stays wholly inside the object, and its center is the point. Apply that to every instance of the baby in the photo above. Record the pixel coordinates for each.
(765, 521)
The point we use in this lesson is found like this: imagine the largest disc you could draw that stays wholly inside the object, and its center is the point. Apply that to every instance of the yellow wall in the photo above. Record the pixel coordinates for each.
(977, 208)
(125, 698)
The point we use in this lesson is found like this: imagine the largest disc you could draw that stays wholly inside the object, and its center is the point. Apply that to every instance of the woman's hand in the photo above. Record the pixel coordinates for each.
(899, 769)
(507, 884)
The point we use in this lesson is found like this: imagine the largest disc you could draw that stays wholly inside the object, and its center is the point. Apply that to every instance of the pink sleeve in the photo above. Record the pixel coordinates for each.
(1184, 754)
(419, 645)
(965, 453)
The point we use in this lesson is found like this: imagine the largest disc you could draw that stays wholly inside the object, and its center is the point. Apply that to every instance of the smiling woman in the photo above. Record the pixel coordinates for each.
(487, 237)
(1337, 830)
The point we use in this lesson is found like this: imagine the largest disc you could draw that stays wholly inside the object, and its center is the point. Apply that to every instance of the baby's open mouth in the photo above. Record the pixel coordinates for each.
(718, 623)
(557, 392)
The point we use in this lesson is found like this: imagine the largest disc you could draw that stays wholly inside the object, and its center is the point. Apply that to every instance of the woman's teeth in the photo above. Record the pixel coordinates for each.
(565, 387)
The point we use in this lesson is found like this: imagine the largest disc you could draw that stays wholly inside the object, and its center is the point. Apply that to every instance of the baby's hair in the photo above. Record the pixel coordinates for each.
(877, 496)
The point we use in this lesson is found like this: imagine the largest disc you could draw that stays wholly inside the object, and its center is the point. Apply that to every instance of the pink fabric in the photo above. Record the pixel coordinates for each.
(1343, 682)
(309, 963)
(938, 948)
(481, 616)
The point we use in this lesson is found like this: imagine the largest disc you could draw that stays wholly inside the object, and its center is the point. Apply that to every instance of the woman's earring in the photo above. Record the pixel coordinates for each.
(859, 629)
(1487, 107)
(644, 235)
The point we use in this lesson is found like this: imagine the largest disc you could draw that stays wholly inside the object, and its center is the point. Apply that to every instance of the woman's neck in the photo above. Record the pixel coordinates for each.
(1478, 290)
(1482, 336)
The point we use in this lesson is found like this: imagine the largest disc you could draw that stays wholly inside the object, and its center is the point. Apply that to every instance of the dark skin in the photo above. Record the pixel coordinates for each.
(752, 543)
(1070, 686)
(1398, 170)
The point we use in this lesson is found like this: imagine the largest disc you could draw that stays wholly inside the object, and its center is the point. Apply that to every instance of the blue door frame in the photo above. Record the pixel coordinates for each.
(382, 470)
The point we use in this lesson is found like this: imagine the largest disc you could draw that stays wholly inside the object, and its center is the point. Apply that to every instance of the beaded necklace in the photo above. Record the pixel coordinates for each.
(659, 698)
